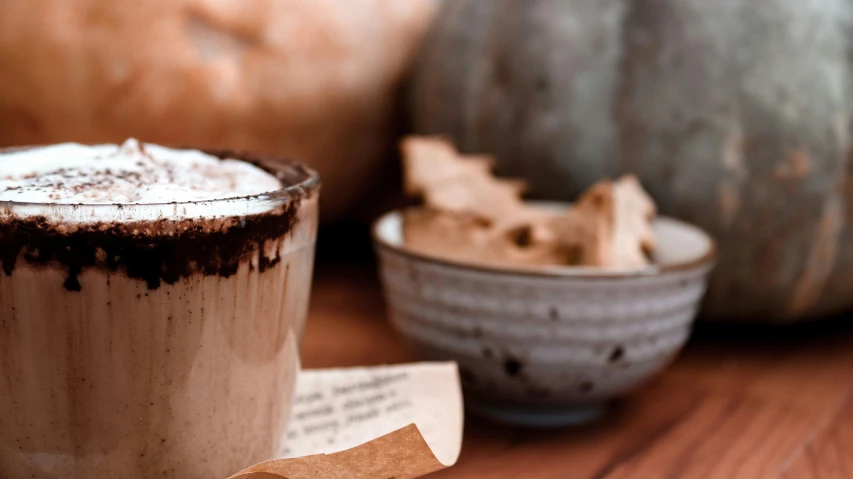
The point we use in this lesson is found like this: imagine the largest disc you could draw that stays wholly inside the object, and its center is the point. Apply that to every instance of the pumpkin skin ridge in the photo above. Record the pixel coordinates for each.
(735, 117)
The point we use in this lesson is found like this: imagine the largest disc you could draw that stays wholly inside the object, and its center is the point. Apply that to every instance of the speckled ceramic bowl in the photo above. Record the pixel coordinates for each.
(546, 347)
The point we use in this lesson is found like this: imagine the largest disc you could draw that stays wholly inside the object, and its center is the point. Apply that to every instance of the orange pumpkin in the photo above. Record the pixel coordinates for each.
(312, 79)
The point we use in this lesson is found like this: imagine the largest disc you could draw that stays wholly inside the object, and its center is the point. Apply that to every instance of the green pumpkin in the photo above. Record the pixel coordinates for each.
(736, 115)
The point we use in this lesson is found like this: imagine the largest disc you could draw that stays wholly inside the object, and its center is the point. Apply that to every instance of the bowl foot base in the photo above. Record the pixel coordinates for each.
(544, 418)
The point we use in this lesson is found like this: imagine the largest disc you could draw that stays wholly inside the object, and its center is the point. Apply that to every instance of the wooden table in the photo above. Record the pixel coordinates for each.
(747, 403)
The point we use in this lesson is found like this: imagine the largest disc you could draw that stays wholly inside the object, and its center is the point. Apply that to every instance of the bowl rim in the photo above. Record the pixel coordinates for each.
(708, 259)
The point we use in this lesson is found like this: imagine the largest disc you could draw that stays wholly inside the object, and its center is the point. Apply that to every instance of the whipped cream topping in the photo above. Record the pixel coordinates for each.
(174, 183)
(133, 173)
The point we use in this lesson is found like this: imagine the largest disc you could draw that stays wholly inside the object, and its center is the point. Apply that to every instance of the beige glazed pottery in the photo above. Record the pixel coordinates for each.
(547, 347)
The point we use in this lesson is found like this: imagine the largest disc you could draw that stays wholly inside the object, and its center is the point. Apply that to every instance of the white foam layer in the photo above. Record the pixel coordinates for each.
(130, 174)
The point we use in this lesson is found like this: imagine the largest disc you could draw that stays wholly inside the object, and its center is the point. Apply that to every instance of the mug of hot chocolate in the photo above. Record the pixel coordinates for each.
(151, 305)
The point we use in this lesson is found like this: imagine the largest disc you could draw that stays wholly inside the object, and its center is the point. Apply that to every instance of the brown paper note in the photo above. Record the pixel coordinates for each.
(398, 422)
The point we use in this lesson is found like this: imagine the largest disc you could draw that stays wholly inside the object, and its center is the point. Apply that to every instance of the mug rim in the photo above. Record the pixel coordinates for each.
(304, 180)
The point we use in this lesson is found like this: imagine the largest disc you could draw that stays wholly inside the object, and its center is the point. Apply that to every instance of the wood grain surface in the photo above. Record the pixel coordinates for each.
(740, 402)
